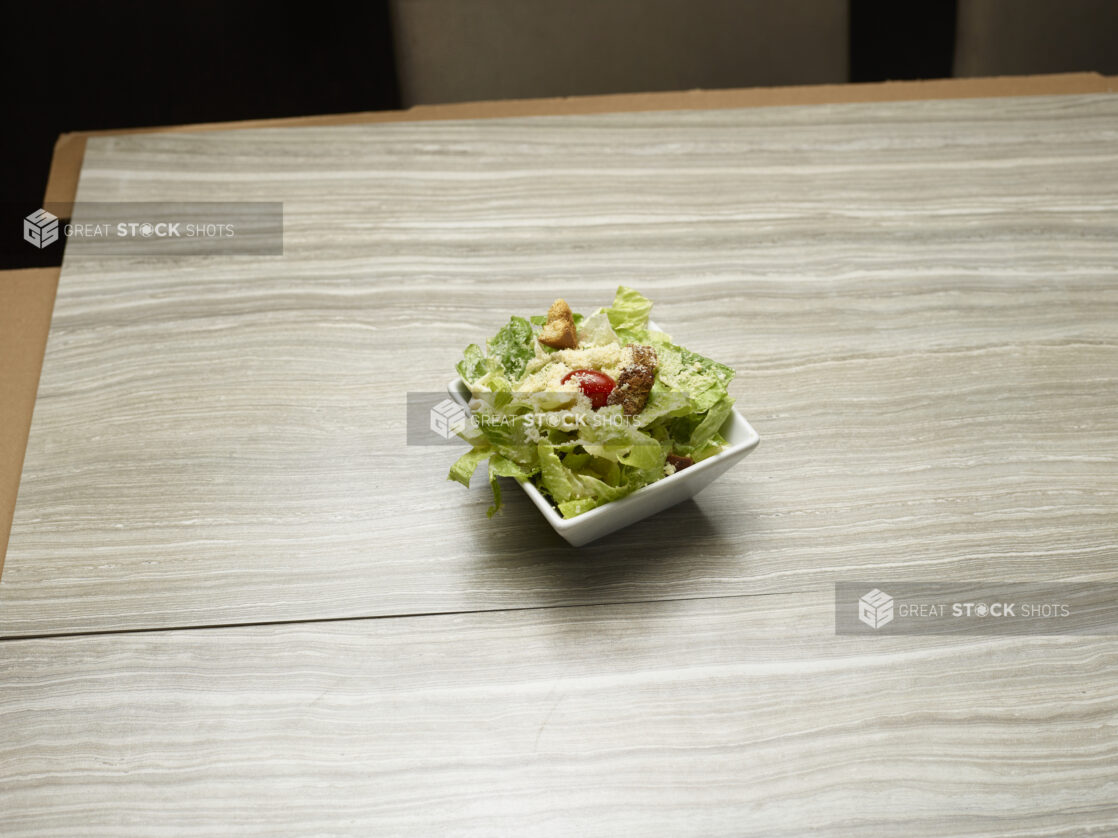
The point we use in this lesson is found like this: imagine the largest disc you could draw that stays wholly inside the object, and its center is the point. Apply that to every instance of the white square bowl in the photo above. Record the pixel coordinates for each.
(646, 501)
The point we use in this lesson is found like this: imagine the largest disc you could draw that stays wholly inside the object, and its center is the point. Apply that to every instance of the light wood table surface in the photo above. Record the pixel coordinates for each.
(236, 602)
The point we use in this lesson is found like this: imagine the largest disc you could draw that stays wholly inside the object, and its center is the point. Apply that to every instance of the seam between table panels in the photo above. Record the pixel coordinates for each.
(62, 635)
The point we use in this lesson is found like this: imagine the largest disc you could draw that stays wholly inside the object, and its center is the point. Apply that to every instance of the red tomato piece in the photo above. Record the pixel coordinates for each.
(595, 384)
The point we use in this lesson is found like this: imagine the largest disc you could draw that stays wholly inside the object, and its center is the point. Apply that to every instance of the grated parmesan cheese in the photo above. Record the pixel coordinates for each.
(545, 373)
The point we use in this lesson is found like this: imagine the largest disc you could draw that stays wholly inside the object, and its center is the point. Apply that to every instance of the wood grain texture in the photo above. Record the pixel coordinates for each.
(742, 716)
(69, 150)
(919, 299)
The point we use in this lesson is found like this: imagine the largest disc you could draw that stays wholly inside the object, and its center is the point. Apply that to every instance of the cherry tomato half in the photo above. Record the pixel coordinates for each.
(596, 385)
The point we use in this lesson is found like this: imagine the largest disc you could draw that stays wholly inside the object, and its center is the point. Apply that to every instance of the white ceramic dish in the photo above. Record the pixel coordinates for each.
(649, 500)
(656, 497)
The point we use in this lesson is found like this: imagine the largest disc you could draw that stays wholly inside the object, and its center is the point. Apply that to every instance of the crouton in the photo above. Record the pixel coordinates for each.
(634, 382)
(643, 355)
(559, 333)
(678, 462)
(559, 311)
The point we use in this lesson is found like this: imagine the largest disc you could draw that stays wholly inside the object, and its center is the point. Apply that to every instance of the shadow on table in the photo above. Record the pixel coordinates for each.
(680, 552)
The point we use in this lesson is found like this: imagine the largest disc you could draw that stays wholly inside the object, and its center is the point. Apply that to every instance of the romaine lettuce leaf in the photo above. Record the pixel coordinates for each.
(513, 346)
(571, 508)
(703, 380)
(711, 447)
(715, 418)
(595, 330)
(663, 402)
(501, 467)
(628, 316)
(694, 360)
(511, 436)
(621, 441)
(467, 464)
(565, 485)
(473, 366)
(554, 477)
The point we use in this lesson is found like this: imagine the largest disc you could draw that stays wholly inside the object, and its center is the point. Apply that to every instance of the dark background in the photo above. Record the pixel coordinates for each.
(118, 64)
(123, 64)
(84, 66)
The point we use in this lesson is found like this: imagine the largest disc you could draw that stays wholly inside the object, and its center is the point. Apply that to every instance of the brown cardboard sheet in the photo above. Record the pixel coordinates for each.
(27, 296)
(26, 301)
